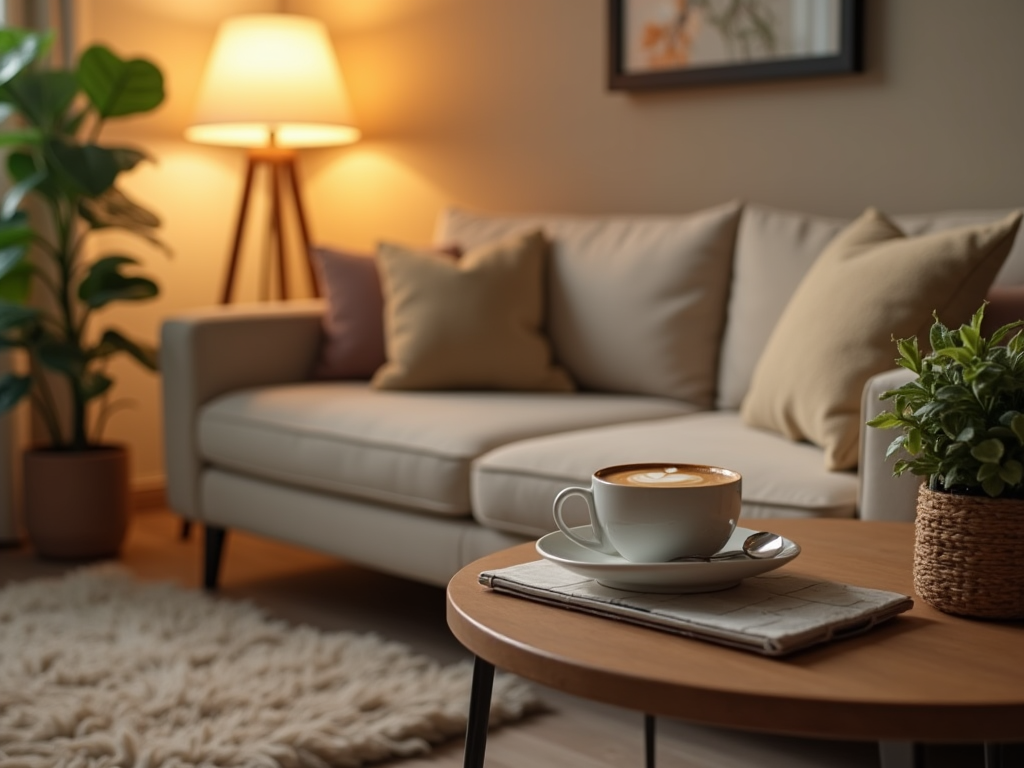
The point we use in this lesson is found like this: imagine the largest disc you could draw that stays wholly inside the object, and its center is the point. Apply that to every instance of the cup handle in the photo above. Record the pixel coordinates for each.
(599, 542)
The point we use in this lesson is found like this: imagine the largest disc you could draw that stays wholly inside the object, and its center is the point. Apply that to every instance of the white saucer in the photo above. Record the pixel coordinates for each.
(617, 573)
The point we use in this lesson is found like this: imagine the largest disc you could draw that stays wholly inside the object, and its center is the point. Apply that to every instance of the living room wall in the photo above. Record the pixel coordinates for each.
(501, 105)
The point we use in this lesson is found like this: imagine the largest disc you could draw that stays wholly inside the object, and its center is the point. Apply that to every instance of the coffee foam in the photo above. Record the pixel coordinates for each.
(667, 476)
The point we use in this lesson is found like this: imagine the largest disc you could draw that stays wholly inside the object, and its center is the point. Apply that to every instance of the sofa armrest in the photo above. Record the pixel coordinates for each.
(880, 496)
(207, 352)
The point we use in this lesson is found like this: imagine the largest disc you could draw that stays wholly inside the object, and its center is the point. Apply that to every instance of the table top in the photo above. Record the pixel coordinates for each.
(922, 676)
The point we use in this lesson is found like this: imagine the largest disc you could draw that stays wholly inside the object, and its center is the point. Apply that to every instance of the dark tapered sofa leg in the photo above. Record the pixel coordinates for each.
(213, 548)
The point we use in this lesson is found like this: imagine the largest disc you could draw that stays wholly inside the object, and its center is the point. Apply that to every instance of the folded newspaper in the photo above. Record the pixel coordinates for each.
(773, 614)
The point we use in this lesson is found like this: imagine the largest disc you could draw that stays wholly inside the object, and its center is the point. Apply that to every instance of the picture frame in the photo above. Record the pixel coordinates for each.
(658, 44)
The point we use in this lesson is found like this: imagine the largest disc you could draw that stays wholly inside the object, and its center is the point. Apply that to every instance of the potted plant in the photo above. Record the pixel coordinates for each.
(962, 428)
(63, 189)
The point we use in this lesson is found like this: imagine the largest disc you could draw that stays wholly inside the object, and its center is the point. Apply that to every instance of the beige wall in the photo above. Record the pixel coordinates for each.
(501, 105)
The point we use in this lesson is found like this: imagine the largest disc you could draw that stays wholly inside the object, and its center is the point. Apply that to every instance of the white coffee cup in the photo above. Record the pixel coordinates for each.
(654, 513)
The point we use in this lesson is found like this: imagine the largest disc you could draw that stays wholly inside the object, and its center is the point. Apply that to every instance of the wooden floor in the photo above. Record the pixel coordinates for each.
(305, 587)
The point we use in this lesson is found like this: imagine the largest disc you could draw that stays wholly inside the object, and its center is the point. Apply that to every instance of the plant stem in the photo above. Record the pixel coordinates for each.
(44, 402)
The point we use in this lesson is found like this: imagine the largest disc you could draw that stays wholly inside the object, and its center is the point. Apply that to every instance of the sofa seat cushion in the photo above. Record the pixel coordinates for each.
(514, 486)
(409, 449)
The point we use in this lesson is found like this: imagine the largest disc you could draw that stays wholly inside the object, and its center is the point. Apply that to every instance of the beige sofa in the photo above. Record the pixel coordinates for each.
(660, 321)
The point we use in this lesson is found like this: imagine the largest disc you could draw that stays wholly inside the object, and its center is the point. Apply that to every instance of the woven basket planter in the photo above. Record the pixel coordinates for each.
(969, 554)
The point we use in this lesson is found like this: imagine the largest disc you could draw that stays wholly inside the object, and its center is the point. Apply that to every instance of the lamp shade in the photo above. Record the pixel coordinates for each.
(272, 79)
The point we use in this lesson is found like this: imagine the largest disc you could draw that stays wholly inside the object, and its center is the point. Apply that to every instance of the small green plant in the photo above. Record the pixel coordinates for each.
(52, 119)
(962, 418)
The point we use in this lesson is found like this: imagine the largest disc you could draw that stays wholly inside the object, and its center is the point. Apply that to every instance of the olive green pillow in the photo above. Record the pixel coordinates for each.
(475, 323)
(869, 285)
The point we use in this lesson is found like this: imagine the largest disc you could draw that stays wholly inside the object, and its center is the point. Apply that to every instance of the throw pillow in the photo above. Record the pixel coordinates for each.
(870, 284)
(474, 324)
(353, 323)
(636, 303)
(353, 327)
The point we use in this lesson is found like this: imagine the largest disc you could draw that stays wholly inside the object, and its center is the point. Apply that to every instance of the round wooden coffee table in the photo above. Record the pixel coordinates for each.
(923, 676)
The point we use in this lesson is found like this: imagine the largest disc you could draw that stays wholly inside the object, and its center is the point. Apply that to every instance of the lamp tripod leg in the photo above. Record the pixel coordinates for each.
(278, 225)
(291, 172)
(243, 210)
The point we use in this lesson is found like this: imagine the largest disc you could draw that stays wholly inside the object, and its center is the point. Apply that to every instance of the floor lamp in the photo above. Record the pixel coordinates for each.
(272, 85)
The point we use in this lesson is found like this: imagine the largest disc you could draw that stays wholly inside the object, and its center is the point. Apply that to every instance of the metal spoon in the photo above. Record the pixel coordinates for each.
(758, 546)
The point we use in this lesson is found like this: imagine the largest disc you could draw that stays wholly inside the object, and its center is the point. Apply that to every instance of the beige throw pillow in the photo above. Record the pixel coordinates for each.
(472, 324)
(870, 284)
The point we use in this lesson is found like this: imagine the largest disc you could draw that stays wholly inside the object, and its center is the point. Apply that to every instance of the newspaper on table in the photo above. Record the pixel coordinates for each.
(773, 614)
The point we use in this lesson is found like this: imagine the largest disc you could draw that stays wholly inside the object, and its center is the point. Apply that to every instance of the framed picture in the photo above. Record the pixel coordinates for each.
(674, 43)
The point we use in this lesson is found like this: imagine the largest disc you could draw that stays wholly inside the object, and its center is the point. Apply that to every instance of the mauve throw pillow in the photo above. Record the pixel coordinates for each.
(353, 345)
(353, 325)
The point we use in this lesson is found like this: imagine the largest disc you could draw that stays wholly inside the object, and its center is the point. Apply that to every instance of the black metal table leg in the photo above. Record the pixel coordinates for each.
(479, 713)
(900, 754)
(649, 722)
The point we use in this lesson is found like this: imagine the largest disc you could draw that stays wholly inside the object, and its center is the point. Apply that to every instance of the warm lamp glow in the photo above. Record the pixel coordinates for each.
(272, 79)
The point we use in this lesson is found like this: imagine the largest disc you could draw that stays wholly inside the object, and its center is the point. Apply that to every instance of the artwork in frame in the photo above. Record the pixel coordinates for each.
(674, 43)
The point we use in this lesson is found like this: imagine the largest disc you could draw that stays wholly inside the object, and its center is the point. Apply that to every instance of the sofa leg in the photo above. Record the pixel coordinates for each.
(213, 548)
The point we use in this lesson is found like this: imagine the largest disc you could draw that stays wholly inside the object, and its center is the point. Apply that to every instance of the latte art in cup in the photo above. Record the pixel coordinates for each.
(667, 476)
(655, 512)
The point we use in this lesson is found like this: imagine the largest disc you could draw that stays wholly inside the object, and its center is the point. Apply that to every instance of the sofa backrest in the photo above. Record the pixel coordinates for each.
(636, 303)
(774, 249)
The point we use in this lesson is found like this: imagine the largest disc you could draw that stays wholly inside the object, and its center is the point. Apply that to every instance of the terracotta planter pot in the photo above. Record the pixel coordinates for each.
(76, 502)
(968, 554)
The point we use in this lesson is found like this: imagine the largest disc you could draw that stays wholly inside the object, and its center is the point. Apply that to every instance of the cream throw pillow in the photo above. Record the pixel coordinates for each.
(869, 285)
(471, 324)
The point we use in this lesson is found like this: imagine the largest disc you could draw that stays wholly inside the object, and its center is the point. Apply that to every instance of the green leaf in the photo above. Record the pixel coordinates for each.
(885, 420)
(43, 97)
(952, 392)
(89, 167)
(959, 354)
(105, 283)
(16, 231)
(63, 356)
(94, 384)
(114, 341)
(971, 338)
(994, 486)
(21, 136)
(910, 354)
(985, 471)
(117, 87)
(17, 316)
(913, 441)
(17, 193)
(1000, 333)
(114, 209)
(989, 451)
(18, 49)
(1012, 472)
(895, 445)
(966, 435)
(939, 336)
(12, 389)
(16, 280)
(1017, 426)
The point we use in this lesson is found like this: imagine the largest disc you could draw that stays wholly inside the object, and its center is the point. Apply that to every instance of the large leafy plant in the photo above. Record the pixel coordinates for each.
(962, 418)
(63, 188)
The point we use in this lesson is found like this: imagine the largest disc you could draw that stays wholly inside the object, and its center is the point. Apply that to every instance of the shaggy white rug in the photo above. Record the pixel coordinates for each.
(98, 670)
